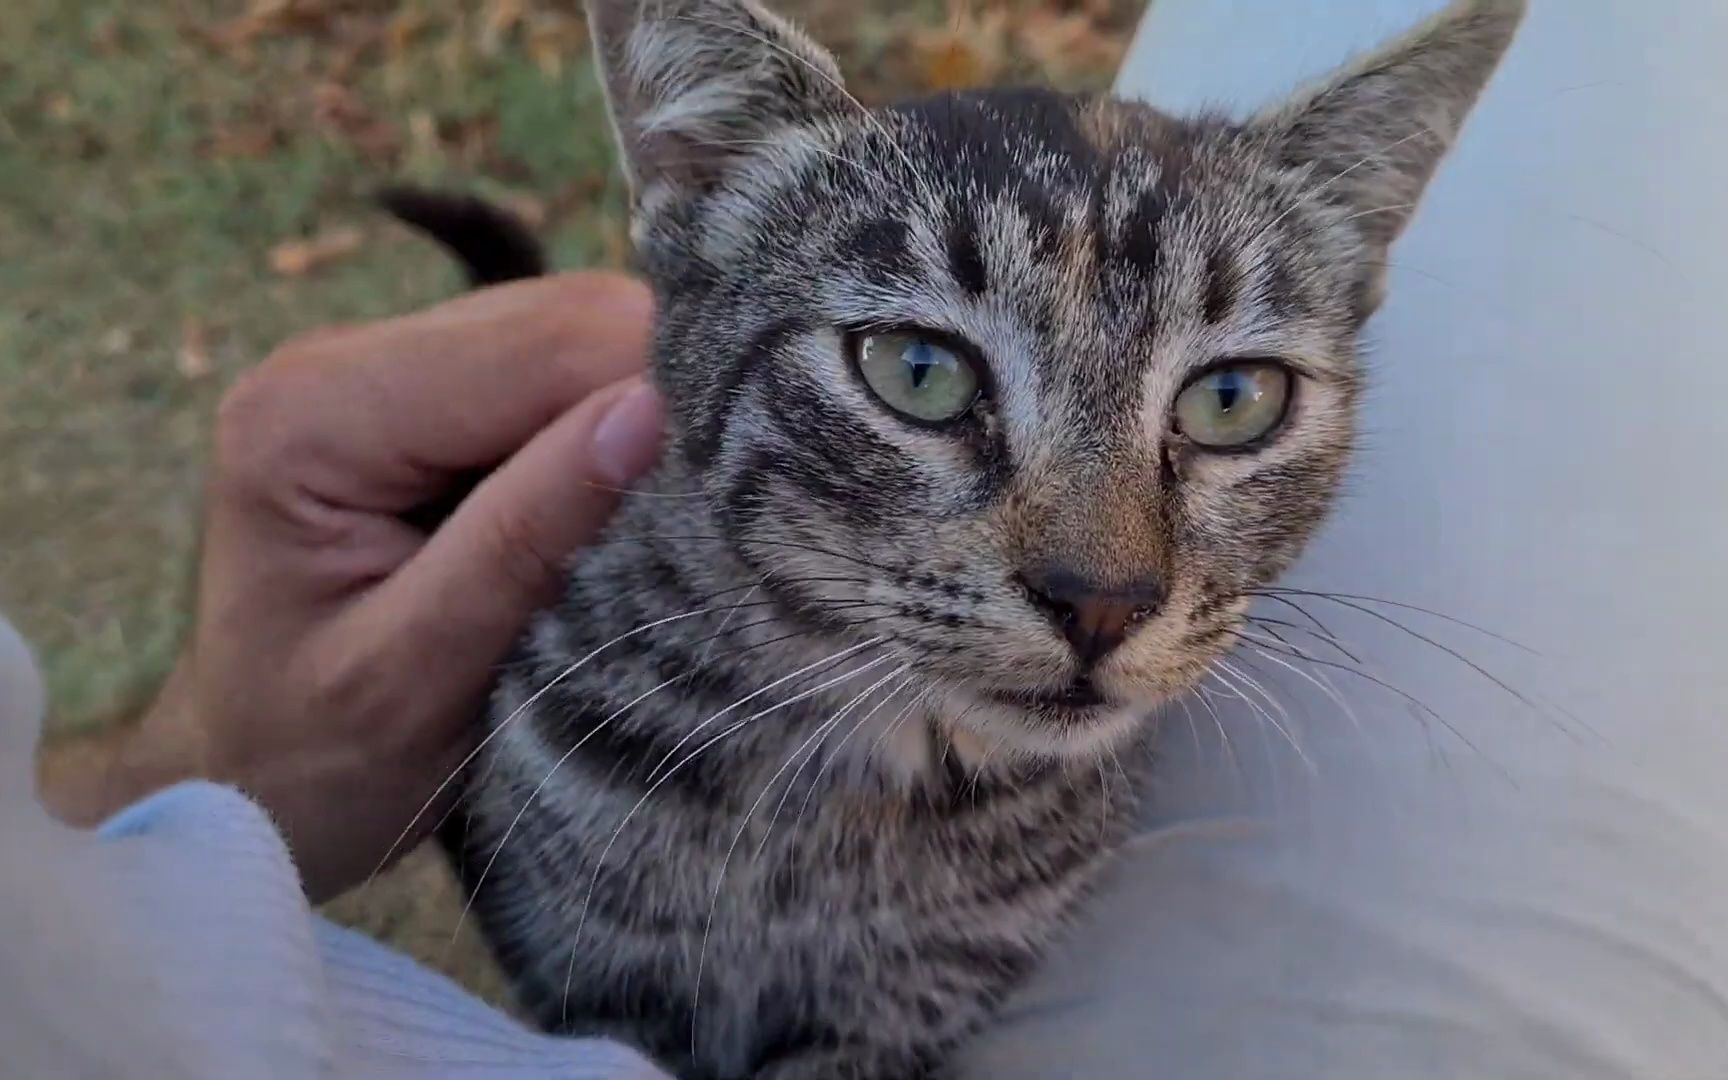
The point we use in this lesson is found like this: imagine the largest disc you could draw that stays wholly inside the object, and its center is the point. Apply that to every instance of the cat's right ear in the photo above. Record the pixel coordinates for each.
(695, 84)
(1376, 131)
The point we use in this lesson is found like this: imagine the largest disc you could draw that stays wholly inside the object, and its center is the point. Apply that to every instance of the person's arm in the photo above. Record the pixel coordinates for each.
(337, 666)
(175, 941)
(86, 778)
(340, 655)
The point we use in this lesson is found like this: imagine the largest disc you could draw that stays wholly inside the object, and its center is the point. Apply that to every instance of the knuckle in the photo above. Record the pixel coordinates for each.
(243, 420)
(257, 420)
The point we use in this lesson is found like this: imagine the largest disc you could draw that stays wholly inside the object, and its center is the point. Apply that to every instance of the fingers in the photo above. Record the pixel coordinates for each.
(469, 591)
(380, 416)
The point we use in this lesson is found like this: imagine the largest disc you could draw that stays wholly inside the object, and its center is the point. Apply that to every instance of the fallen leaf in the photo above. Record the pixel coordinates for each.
(262, 18)
(403, 29)
(500, 17)
(1068, 44)
(340, 114)
(552, 39)
(193, 360)
(250, 143)
(105, 34)
(335, 106)
(60, 107)
(378, 141)
(530, 209)
(353, 44)
(455, 49)
(971, 51)
(297, 258)
(423, 135)
(469, 139)
(118, 340)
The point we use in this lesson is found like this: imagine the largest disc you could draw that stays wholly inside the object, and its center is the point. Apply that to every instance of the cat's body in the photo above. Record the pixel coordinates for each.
(990, 414)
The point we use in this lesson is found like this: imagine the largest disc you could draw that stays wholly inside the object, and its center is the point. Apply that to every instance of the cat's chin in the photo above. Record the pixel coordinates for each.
(1078, 721)
(1077, 700)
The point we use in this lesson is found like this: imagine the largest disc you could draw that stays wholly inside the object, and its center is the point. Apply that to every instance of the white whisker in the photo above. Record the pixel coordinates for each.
(899, 721)
(1323, 684)
(1103, 802)
(724, 623)
(813, 744)
(816, 784)
(1238, 673)
(699, 728)
(535, 794)
(518, 711)
(1312, 193)
(600, 862)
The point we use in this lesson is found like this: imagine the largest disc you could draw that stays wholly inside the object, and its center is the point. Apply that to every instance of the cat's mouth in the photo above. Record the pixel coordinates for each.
(1078, 697)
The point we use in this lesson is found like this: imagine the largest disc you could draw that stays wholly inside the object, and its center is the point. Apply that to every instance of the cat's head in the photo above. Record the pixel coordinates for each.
(1039, 387)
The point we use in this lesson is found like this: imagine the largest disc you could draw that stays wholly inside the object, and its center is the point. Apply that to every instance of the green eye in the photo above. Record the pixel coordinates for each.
(1233, 406)
(917, 376)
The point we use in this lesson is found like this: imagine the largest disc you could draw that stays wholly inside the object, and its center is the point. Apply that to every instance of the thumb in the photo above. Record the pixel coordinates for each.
(466, 595)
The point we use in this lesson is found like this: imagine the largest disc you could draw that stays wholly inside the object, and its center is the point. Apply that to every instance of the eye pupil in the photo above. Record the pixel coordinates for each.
(918, 358)
(1234, 406)
(1229, 390)
(919, 377)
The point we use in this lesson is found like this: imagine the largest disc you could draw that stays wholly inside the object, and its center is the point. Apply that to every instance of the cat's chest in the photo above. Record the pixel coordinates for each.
(744, 903)
(776, 840)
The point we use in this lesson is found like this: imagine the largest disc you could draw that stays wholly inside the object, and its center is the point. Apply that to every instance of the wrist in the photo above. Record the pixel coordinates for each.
(84, 780)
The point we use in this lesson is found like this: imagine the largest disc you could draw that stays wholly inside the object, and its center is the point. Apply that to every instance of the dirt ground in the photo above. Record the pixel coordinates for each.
(183, 183)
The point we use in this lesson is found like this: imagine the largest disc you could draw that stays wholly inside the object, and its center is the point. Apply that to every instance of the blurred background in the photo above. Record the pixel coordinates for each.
(183, 183)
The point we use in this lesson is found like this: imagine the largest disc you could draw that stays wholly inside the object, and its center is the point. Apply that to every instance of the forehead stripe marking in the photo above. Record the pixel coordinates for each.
(1221, 288)
(705, 442)
(880, 247)
(965, 260)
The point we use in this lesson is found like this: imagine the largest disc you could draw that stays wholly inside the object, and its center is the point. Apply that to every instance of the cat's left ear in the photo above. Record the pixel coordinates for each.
(693, 85)
(1375, 132)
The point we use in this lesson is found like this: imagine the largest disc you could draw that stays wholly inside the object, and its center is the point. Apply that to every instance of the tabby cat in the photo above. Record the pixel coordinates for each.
(989, 414)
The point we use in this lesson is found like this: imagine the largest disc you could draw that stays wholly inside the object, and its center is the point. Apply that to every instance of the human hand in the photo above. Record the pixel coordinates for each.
(340, 656)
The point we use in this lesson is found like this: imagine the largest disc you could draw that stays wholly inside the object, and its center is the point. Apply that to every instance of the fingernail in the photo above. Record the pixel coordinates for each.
(627, 441)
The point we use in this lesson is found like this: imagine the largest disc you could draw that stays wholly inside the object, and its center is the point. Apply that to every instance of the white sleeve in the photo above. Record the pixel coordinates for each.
(1472, 886)
(175, 944)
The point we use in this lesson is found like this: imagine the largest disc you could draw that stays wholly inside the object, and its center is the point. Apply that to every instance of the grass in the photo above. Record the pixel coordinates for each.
(155, 157)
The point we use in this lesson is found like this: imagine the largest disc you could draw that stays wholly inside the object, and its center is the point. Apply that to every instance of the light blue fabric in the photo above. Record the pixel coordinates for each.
(174, 942)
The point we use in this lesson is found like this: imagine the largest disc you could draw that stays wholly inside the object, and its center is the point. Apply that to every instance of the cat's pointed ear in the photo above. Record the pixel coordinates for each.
(695, 84)
(1375, 131)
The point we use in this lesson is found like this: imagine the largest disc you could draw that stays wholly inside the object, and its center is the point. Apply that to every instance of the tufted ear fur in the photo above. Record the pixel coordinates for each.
(1375, 131)
(695, 84)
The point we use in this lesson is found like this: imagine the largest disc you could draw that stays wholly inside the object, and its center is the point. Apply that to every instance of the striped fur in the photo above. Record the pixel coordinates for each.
(779, 788)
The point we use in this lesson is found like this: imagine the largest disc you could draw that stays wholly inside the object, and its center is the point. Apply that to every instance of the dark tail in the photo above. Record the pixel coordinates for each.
(493, 245)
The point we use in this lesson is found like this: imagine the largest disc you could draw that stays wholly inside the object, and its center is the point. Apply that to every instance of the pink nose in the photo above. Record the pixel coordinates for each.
(1095, 618)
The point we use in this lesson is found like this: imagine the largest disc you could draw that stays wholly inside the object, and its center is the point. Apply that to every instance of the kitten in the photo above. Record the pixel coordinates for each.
(990, 413)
